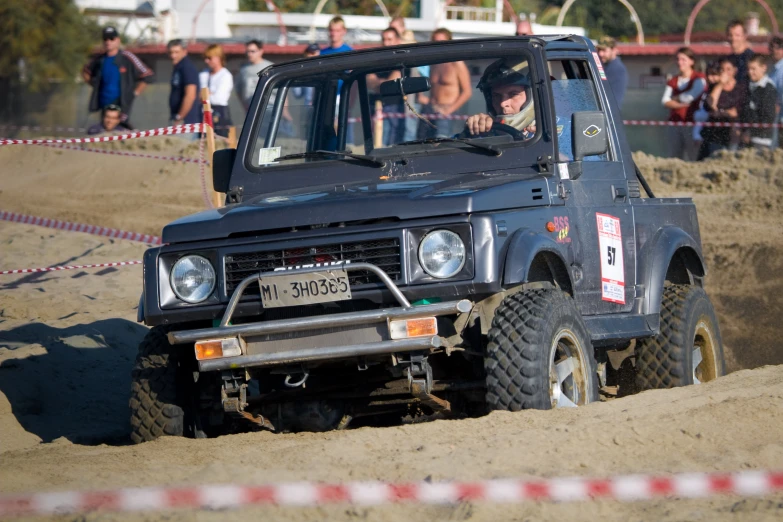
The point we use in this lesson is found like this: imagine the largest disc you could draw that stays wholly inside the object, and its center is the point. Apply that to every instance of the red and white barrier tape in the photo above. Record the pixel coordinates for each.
(123, 153)
(653, 123)
(164, 131)
(38, 128)
(68, 267)
(620, 488)
(79, 227)
(204, 191)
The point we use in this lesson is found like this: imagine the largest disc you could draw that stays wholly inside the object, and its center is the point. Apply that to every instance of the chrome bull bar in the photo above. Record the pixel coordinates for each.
(405, 311)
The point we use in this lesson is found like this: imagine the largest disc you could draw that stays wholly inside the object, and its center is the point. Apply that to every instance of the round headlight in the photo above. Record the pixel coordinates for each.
(442, 253)
(192, 279)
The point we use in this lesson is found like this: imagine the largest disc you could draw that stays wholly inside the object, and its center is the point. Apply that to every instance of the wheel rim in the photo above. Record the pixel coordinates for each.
(567, 379)
(703, 359)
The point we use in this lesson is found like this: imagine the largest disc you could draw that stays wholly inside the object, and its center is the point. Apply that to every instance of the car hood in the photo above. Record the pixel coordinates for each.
(405, 198)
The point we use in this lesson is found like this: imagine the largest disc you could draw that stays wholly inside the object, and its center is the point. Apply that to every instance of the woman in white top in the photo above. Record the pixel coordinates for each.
(220, 84)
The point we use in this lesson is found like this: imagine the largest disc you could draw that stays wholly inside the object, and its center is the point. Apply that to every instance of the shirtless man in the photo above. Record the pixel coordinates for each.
(450, 90)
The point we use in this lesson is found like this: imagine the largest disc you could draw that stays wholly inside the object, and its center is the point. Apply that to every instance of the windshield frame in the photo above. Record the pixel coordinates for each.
(356, 64)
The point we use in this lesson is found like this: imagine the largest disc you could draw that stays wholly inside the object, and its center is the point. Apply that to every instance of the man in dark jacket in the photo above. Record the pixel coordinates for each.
(117, 76)
(616, 73)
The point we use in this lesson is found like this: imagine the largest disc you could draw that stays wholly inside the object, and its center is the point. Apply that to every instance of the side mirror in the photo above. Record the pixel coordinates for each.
(222, 163)
(408, 85)
(588, 134)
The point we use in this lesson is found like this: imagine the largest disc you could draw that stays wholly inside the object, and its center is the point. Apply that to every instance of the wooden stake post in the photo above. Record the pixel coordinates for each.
(217, 197)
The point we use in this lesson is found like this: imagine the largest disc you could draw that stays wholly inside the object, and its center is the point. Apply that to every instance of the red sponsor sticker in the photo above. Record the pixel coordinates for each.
(599, 65)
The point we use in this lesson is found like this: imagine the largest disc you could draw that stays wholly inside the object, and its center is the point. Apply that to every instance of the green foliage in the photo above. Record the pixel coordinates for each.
(661, 16)
(43, 41)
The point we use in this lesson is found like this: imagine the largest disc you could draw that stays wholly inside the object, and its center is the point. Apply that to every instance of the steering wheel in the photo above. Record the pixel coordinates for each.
(496, 128)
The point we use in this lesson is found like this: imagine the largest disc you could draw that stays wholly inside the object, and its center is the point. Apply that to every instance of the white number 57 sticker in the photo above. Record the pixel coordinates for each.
(610, 249)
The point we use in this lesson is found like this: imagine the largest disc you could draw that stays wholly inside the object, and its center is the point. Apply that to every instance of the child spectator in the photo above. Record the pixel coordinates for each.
(724, 104)
(761, 104)
(776, 50)
(682, 96)
(701, 115)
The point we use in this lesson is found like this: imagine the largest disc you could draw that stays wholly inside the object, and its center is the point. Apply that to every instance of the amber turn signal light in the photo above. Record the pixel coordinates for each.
(550, 227)
(407, 328)
(217, 348)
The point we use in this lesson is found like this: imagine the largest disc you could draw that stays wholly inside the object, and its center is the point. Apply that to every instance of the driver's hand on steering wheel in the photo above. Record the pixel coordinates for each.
(479, 123)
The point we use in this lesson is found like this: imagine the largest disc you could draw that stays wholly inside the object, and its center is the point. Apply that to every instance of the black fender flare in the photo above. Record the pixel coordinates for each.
(523, 248)
(655, 258)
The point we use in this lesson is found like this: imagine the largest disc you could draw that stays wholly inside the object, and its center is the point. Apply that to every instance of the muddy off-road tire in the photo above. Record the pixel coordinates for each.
(164, 396)
(539, 354)
(688, 349)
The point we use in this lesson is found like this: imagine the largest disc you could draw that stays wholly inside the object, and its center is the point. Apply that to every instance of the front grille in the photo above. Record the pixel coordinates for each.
(384, 253)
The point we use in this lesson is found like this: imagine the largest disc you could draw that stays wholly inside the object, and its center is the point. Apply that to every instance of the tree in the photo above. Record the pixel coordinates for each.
(43, 41)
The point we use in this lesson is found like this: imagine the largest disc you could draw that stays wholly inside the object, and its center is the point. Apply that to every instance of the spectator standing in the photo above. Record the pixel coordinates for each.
(117, 76)
(776, 50)
(701, 115)
(184, 85)
(762, 96)
(724, 105)
(220, 84)
(406, 35)
(248, 73)
(110, 121)
(393, 109)
(682, 96)
(450, 91)
(741, 52)
(524, 28)
(307, 94)
(337, 32)
(615, 70)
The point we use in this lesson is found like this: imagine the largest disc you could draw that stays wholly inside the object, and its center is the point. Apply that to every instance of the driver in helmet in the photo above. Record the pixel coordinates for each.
(507, 89)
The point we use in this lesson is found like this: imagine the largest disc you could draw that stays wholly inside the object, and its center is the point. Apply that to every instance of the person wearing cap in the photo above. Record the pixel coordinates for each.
(110, 121)
(248, 73)
(117, 76)
(508, 93)
(616, 73)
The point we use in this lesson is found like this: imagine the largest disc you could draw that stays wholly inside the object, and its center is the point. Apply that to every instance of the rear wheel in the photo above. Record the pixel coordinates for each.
(688, 349)
(539, 354)
(166, 399)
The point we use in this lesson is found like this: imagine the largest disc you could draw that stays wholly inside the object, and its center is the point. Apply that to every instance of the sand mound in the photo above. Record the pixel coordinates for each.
(67, 341)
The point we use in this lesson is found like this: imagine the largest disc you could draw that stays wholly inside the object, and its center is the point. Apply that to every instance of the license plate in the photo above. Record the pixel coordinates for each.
(302, 289)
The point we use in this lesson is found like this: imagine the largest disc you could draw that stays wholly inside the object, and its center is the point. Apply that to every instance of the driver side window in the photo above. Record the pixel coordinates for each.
(573, 91)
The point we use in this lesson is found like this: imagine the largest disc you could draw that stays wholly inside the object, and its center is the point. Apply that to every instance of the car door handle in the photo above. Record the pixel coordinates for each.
(619, 193)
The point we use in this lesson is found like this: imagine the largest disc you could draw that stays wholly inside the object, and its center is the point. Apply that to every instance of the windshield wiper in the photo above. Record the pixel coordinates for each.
(321, 153)
(467, 141)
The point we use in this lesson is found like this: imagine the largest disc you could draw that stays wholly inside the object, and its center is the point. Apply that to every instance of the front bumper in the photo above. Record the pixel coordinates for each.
(286, 353)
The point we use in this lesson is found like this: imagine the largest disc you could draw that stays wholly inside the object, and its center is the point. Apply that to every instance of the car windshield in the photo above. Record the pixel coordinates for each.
(384, 112)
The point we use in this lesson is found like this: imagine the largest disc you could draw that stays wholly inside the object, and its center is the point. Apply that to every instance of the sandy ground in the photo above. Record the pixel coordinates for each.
(68, 339)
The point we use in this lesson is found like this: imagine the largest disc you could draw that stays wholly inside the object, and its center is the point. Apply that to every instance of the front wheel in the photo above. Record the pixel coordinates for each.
(688, 349)
(166, 399)
(539, 354)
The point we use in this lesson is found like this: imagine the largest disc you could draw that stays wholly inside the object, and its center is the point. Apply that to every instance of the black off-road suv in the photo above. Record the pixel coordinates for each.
(422, 230)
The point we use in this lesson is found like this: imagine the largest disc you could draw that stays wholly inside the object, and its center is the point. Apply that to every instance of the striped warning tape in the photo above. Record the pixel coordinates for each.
(164, 131)
(68, 267)
(620, 488)
(79, 227)
(123, 153)
(653, 123)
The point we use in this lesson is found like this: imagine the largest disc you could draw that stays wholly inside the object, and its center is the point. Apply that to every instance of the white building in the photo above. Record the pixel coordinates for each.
(161, 20)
